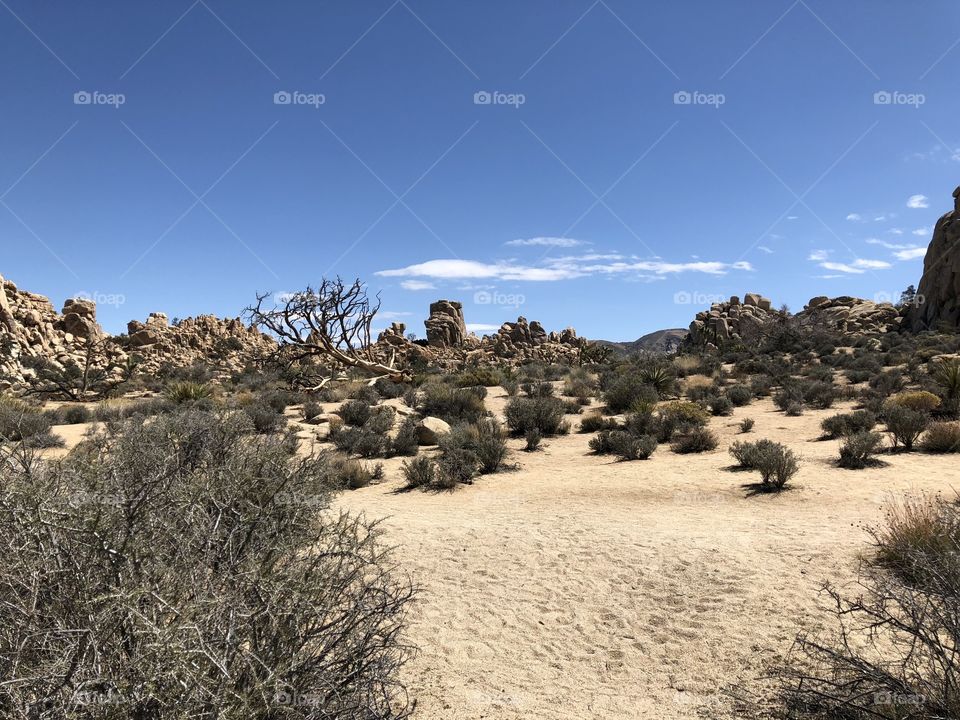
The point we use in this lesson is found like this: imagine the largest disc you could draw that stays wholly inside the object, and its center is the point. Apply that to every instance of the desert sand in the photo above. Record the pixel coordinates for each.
(582, 587)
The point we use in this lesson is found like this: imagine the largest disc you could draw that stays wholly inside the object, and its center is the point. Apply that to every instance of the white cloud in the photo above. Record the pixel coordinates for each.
(391, 315)
(921, 232)
(918, 201)
(792, 217)
(547, 242)
(764, 248)
(888, 245)
(858, 267)
(910, 254)
(854, 217)
(828, 277)
(564, 268)
(819, 255)
(417, 285)
(895, 231)
(480, 328)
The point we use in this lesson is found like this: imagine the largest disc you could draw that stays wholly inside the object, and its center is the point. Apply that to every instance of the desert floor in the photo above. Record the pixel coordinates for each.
(581, 587)
(577, 586)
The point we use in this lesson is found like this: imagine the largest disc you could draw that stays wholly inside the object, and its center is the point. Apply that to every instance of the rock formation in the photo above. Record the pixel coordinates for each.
(938, 293)
(445, 326)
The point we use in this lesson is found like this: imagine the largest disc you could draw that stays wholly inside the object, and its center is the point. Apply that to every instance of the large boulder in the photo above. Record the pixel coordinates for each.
(938, 294)
(431, 429)
(446, 326)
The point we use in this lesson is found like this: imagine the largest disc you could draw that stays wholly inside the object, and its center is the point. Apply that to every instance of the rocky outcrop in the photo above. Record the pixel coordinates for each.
(445, 326)
(745, 322)
(938, 294)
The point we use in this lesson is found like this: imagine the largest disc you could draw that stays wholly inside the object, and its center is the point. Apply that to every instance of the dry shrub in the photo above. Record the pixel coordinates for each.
(893, 653)
(942, 437)
(920, 401)
(186, 568)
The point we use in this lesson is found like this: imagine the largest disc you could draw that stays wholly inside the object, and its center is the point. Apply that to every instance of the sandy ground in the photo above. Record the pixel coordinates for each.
(577, 586)
(581, 587)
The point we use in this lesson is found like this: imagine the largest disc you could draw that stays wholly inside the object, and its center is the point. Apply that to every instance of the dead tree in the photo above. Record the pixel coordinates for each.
(332, 322)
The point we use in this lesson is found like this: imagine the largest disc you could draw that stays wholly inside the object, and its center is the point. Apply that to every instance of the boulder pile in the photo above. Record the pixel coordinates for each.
(937, 303)
(732, 320)
(851, 315)
(445, 326)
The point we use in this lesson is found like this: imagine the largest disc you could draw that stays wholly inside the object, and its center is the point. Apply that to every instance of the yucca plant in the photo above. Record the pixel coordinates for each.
(947, 375)
(186, 391)
(657, 377)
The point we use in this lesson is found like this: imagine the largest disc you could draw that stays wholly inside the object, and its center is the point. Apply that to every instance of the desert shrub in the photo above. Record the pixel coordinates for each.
(350, 473)
(822, 373)
(893, 653)
(456, 465)
(388, 389)
(793, 409)
(720, 405)
(698, 392)
(311, 408)
(264, 418)
(627, 446)
(194, 591)
(739, 395)
(188, 391)
(694, 440)
(844, 424)
(776, 464)
(572, 407)
(533, 438)
(639, 423)
(904, 425)
(539, 389)
(369, 441)
(746, 425)
(278, 399)
(452, 404)
(355, 412)
(659, 377)
(601, 443)
(760, 385)
(45, 439)
(921, 401)
(406, 441)
(73, 415)
(888, 382)
(594, 421)
(946, 373)
(684, 413)
(858, 449)
(362, 392)
(420, 472)
(511, 386)
(19, 421)
(490, 446)
(544, 414)
(942, 437)
(623, 391)
(579, 385)
(486, 376)
(747, 454)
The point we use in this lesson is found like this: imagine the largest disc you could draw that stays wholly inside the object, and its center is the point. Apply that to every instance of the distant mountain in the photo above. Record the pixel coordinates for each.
(665, 341)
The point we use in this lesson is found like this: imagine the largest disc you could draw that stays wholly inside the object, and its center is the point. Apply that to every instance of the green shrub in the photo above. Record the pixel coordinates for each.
(595, 421)
(74, 415)
(538, 389)
(857, 450)
(533, 439)
(355, 412)
(351, 474)
(452, 404)
(406, 441)
(388, 389)
(694, 440)
(739, 395)
(490, 445)
(311, 408)
(486, 376)
(776, 464)
(904, 425)
(264, 418)
(746, 425)
(748, 454)
(456, 465)
(544, 414)
(920, 401)
(623, 391)
(19, 421)
(420, 472)
(845, 424)
(942, 437)
(602, 443)
(572, 407)
(946, 373)
(627, 446)
(720, 405)
(684, 413)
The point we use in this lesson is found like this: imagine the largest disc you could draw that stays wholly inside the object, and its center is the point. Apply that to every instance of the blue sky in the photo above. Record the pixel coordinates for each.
(609, 165)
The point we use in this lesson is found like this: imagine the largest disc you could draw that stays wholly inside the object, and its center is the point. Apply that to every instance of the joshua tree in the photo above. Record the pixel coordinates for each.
(332, 322)
(92, 378)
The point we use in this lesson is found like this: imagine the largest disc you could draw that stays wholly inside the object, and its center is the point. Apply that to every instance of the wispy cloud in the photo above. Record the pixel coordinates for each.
(764, 248)
(854, 217)
(554, 269)
(918, 202)
(547, 242)
(858, 267)
(417, 285)
(922, 232)
(910, 254)
(391, 315)
(819, 255)
(481, 328)
(888, 245)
